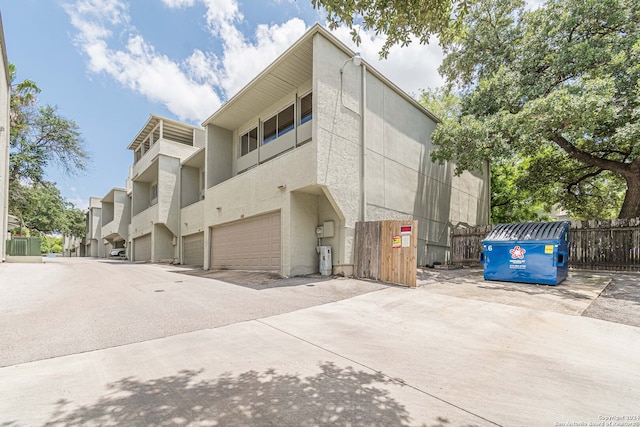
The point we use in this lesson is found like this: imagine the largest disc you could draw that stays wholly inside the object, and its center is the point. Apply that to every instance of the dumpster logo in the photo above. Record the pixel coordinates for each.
(517, 252)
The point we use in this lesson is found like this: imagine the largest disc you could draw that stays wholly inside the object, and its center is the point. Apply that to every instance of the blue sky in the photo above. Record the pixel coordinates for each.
(108, 64)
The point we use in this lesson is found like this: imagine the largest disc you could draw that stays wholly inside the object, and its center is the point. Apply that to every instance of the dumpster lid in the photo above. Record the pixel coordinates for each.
(529, 231)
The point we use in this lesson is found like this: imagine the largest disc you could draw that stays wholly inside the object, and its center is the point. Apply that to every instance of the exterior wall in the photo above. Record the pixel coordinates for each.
(71, 246)
(192, 218)
(219, 154)
(95, 244)
(163, 244)
(190, 185)
(116, 216)
(162, 147)
(256, 192)
(303, 222)
(337, 132)
(403, 183)
(4, 143)
(165, 211)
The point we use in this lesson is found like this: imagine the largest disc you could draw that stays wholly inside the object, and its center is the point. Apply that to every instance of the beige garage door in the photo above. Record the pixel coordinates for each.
(193, 249)
(142, 248)
(250, 244)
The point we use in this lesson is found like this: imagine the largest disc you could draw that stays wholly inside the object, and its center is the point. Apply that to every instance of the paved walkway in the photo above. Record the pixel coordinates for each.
(392, 356)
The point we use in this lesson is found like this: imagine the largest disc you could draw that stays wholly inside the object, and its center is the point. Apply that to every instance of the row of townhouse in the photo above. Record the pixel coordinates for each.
(318, 141)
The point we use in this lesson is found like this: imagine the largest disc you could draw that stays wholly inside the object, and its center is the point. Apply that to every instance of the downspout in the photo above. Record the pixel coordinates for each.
(363, 136)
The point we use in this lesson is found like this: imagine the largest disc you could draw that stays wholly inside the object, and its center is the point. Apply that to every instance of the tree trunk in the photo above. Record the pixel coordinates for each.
(631, 204)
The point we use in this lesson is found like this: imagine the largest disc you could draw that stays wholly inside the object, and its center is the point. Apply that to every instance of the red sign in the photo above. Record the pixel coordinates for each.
(406, 228)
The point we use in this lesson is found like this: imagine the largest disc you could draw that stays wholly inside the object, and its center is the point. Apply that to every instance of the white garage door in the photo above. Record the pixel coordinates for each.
(142, 248)
(193, 249)
(250, 244)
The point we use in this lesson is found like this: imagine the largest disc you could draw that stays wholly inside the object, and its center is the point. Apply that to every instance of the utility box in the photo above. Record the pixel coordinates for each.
(326, 266)
(530, 252)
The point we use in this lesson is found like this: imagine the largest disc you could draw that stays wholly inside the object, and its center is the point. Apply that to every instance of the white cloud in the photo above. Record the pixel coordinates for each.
(193, 87)
(412, 68)
(188, 88)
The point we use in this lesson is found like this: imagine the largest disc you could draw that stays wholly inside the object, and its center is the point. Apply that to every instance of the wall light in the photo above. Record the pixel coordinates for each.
(219, 208)
(282, 187)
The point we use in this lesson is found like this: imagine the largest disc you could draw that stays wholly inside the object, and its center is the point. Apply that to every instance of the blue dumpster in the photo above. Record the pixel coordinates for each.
(529, 252)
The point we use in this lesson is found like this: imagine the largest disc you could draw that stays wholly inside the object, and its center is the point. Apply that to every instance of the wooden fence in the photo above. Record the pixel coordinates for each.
(594, 245)
(387, 251)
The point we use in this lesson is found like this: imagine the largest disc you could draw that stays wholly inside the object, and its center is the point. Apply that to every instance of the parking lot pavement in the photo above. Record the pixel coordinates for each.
(396, 356)
(619, 302)
(572, 296)
(72, 305)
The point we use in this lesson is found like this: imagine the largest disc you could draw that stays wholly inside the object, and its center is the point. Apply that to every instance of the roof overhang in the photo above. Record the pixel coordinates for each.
(291, 69)
(171, 129)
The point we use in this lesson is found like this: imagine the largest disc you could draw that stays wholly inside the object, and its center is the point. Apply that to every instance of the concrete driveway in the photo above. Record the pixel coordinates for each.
(339, 352)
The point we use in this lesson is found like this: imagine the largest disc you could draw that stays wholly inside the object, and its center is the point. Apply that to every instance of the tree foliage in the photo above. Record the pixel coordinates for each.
(40, 137)
(511, 199)
(398, 20)
(558, 86)
(42, 209)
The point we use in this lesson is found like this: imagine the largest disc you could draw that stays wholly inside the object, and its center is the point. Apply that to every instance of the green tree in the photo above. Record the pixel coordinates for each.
(511, 199)
(51, 244)
(42, 209)
(40, 137)
(557, 86)
(399, 20)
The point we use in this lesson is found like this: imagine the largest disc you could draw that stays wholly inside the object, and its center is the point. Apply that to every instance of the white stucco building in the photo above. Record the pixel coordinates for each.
(94, 244)
(320, 138)
(159, 150)
(5, 89)
(116, 217)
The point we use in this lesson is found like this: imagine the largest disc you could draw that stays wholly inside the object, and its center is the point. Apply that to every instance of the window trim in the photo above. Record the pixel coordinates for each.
(247, 132)
(277, 131)
(309, 117)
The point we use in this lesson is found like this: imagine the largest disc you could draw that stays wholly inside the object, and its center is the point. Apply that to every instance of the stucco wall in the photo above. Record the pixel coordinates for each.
(189, 185)
(219, 152)
(256, 192)
(403, 183)
(303, 219)
(337, 121)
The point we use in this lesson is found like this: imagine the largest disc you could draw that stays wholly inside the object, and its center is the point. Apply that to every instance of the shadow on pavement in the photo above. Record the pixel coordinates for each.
(257, 280)
(335, 396)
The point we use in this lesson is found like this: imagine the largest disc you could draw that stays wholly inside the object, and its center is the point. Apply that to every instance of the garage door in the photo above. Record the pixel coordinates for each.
(142, 248)
(250, 244)
(193, 249)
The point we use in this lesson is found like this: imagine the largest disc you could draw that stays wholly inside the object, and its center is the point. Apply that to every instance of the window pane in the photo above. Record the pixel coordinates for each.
(269, 130)
(253, 139)
(244, 145)
(306, 108)
(285, 120)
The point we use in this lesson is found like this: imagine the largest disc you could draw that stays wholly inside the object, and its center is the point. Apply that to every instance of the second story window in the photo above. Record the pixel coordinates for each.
(278, 125)
(248, 142)
(154, 194)
(306, 109)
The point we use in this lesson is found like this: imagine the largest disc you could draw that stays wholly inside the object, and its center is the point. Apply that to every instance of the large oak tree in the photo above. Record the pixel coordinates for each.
(557, 86)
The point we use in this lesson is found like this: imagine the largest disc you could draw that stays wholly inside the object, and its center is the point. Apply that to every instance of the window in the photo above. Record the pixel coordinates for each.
(278, 125)
(248, 142)
(306, 108)
(154, 193)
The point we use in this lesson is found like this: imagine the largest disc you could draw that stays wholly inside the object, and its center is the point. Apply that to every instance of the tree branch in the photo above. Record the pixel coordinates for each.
(582, 156)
